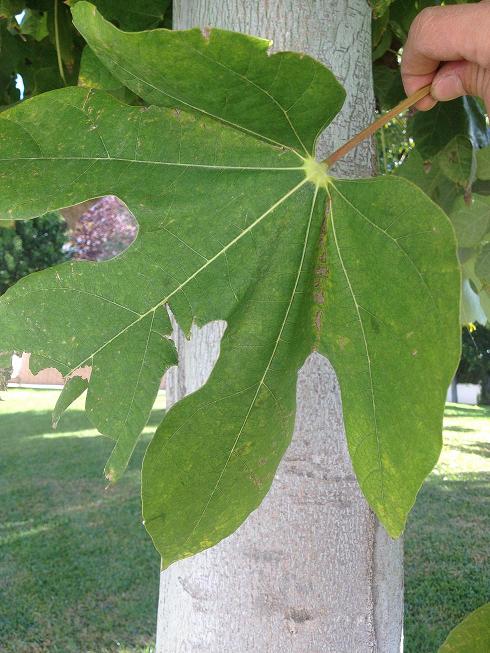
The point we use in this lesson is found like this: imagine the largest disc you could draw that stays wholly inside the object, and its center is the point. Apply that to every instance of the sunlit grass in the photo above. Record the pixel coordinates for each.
(447, 542)
(78, 574)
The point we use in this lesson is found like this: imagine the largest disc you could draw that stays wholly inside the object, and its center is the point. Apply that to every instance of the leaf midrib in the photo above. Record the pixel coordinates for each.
(150, 162)
(379, 468)
(261, 89)
(262, 383)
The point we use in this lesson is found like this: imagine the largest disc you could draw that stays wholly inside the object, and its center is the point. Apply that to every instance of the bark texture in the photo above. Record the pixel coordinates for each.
(311, 571)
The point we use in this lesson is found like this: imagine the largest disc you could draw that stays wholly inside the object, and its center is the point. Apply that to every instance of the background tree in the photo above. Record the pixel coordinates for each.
(27, 247)
(444, 151)
(475, 360)
(30, 246)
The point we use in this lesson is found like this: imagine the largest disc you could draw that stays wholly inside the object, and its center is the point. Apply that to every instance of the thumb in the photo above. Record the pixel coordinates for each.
(458, 78)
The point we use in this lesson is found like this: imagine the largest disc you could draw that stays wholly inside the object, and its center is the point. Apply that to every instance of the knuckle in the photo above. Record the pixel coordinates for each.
(423, 21)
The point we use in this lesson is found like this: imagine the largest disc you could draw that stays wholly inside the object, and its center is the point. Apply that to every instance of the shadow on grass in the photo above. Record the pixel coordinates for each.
(463, 410)
(77, 570)
(458, 429)
(37, 422)
(447, 556)
(481, 449)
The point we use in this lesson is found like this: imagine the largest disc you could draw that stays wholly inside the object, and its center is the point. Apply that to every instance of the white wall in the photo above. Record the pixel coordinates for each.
(467, 393)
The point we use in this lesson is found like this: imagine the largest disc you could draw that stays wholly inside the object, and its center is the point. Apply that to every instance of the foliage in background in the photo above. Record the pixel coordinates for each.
(29, 246)
(39, 42)
(475, 360)
(439, 150)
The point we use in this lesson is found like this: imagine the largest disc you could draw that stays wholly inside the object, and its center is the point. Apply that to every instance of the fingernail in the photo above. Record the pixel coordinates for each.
(447, 87)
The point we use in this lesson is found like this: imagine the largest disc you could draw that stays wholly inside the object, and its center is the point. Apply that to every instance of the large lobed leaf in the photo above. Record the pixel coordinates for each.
(239, 223)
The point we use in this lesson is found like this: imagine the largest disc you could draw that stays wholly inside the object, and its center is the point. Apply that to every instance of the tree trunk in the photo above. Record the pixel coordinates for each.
(311, 570)
(484, 398)
(454, 390)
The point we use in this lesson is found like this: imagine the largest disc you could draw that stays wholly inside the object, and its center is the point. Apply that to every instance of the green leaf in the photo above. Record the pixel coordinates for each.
(9, 8)
(457, 161)
(403, 13)
(134, 15)
(388, 86)
(477, 121)
(471, 219)
(428, 175)
(474, 300)
(370, 335)
(35, 24)
(231, 210)
(113, 149)
(484, 296)
(482, 265)
(73, 389)
(471, 308)
(379, 27)
(383, 45)
(93, 74)
(483, 163)
(282, 98)
(472, 635)
(432, 130)
(380, 6)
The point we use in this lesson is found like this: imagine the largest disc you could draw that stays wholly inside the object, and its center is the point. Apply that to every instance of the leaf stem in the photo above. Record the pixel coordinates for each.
(57, 43)
(377, 124)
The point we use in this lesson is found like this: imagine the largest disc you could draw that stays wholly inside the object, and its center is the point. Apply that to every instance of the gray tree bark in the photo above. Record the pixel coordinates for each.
(311, 570)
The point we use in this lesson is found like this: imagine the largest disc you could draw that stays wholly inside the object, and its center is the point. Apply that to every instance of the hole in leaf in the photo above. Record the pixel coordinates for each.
(105, 229)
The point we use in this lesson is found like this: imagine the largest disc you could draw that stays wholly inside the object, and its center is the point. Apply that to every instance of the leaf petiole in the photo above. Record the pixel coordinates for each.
(57, 43)
(377, 124)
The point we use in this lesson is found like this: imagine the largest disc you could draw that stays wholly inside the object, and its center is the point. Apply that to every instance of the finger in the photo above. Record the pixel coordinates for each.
(459, 78)
(444, 34)
(412, 83)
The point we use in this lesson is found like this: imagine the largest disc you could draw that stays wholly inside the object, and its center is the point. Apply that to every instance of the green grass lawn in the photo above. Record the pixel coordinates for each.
(447, 541)
(79, 575)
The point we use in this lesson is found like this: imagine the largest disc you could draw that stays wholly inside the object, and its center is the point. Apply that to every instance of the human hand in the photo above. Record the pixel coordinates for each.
(449, 48)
